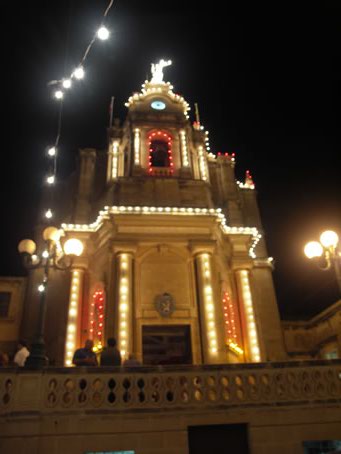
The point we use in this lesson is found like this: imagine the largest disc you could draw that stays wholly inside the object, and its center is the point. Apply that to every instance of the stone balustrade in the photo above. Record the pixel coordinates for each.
(162, 171)
(169, 387)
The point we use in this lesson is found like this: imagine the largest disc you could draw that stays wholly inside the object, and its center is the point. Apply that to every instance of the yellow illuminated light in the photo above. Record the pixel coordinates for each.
(235, 348)
(123, 301)
(209, 306)
(313, 249)
(137, 146)
(251, 324)
(184, 149)
(123, 307)
(202, 163)
(73, 246)
(114, 161)
(71, 330)
(329, 239)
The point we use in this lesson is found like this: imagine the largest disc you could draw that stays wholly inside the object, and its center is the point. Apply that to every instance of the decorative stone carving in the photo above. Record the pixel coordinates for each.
(165, 304)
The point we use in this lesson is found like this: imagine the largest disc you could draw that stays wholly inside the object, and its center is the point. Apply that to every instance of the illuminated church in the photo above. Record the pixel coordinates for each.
(175, 265)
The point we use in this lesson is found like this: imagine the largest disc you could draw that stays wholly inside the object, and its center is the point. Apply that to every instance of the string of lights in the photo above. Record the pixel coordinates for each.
(60, 88)
(97, 318)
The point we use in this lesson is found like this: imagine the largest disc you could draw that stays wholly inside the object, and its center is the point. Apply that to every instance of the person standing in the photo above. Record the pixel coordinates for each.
(21, 354)
(111, 356)
(85, 356)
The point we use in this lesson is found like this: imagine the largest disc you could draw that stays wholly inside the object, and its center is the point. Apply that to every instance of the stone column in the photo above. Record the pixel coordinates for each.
(251, 337)
(210, 313)
(137, 147)
(124, 265)
(203, 166)
(139, 151)
(114, 155)
(73, 327)
(265, 302)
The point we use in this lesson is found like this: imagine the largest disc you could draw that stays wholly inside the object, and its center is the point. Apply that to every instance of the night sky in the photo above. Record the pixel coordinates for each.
(267, 81)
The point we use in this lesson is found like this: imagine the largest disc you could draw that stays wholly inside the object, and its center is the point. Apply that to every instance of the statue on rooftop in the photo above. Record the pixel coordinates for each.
(157, 71)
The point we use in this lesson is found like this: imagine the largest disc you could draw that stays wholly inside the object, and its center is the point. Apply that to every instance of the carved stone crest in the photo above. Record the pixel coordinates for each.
(165, 304)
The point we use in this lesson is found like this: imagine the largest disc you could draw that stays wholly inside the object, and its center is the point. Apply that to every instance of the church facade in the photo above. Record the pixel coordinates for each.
(175, 266)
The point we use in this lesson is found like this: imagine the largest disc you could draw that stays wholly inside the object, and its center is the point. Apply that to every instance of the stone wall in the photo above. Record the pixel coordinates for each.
(10, 322)
(149, 410)
(317, 337)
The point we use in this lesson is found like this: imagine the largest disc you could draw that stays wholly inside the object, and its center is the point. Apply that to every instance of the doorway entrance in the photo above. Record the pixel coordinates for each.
(222, 439)
(166, 344)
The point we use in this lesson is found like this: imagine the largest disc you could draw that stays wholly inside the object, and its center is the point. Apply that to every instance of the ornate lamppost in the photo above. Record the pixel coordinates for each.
(53, 256)
(327, 249)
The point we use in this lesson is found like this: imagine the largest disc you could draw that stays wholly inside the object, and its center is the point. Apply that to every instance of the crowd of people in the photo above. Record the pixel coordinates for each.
(85, 356)
(109, 356)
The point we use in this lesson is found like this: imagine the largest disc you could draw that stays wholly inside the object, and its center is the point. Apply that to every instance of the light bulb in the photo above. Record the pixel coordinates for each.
(48, 214)
(52, 151)
(103, 33)
(51, 234)
(313, 249)
(67, 83)
(79, 73)
(73, 246)
(50, 179)
(27, 246)
(58, 94)
(329, 239)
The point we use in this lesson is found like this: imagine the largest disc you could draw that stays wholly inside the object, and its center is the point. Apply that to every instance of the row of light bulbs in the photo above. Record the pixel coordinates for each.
(79, 73)
(65, 84)
(176, 211)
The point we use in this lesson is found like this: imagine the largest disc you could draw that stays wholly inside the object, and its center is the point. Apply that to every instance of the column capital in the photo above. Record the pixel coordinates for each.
(202, 247)
(240, 244)
(264, 262)
(124, 248)
(241, 263)
(80, 263)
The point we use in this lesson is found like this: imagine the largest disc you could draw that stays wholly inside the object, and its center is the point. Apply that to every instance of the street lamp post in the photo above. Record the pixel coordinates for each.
(56, 257)
(328, 248)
